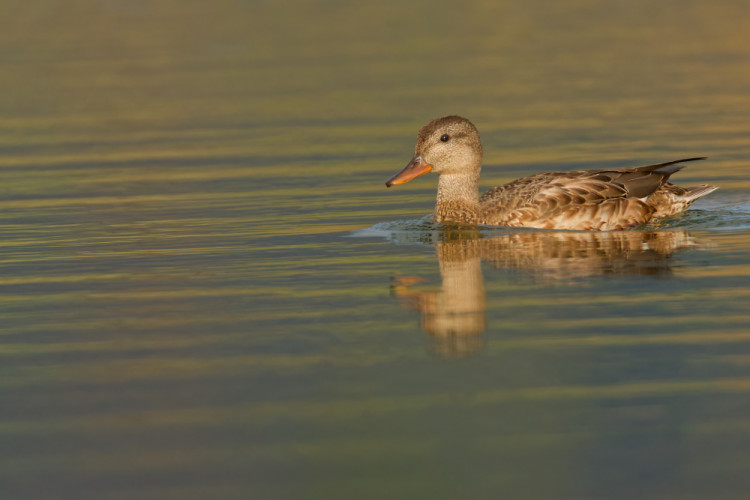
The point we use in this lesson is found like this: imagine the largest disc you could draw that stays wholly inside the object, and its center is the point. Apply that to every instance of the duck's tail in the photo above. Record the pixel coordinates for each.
(671, 200)
(684, 195)
(692, 193)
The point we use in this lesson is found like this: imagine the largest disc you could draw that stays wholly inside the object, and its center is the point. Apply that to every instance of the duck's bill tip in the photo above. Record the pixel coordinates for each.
(414, 169)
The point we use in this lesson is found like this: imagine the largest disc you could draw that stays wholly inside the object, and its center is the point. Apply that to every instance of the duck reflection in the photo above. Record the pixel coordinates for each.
(455, 316)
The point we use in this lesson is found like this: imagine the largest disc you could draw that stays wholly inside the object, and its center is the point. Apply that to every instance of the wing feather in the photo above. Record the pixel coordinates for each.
(585, 199)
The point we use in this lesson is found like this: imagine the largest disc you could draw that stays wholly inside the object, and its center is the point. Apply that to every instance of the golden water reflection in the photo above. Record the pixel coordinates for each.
(456, 316)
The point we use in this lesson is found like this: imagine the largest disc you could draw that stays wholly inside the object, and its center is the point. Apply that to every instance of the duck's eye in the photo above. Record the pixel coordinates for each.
(445, 138)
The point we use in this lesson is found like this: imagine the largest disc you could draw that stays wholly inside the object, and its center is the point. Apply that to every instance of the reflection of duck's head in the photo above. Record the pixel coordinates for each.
(455, 316)
(446, 146)
(459, 309)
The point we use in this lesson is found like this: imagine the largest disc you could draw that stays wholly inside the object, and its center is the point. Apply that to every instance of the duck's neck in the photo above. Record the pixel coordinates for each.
(458, 198)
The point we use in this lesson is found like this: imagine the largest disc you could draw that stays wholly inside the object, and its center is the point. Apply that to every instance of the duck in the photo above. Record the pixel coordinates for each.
(590, 200)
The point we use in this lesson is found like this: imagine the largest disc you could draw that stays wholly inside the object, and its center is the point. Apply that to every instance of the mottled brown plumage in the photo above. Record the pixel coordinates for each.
(606, 199)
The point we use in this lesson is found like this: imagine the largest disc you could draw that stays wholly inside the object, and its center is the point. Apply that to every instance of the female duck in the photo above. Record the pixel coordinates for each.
(603, 200)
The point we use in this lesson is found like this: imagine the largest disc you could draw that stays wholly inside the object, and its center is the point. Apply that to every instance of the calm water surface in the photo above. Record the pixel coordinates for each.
(207, 291)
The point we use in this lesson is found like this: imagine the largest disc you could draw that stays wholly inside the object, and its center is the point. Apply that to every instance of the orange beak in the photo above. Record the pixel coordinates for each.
(414, 169)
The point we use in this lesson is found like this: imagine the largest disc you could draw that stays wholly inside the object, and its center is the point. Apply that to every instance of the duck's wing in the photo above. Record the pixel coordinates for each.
(638, 182)
(569, 201)
(587, 199)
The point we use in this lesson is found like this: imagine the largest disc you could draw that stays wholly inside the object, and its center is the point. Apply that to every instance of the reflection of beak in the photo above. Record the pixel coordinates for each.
(414, 169)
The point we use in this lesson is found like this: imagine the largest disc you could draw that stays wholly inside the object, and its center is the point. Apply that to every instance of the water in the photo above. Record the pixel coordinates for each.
(207, 291)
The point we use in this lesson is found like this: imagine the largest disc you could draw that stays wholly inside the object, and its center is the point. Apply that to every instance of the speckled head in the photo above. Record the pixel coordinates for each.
(450, 144)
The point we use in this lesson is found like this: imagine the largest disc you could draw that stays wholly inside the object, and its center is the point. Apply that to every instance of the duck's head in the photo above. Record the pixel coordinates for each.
(447, 145)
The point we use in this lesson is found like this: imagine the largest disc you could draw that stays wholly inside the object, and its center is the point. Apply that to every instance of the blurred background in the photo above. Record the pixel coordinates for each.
(206, 290)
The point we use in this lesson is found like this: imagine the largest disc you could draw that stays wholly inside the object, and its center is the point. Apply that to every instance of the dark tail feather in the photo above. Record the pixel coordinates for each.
(671, 167)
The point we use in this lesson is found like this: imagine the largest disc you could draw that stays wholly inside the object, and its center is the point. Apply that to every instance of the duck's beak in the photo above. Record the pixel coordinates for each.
(414, 169)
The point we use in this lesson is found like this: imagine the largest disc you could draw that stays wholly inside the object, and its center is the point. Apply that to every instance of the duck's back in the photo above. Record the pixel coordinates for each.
(611, 199)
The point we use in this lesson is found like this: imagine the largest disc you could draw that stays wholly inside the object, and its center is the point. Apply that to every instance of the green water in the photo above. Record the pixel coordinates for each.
(208, 292)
